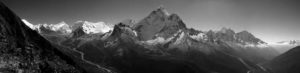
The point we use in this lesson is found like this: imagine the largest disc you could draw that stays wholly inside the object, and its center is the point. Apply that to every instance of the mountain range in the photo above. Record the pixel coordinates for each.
(159, 43)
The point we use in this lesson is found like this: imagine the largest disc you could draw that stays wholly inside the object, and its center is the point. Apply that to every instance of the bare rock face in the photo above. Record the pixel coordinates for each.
(23, 50)
(159, 23)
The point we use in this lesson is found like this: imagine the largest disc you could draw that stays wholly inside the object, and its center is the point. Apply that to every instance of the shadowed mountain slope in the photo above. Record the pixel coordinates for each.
(24, 50)
(288, 62)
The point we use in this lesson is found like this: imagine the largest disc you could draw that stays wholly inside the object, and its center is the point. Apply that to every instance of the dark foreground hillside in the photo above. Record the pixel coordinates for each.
(288, 62)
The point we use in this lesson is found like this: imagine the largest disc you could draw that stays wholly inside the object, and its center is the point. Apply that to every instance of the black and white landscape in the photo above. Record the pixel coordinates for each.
(159, 42)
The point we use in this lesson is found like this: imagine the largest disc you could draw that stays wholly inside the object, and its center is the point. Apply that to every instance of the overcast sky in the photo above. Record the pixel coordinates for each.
(269, 20)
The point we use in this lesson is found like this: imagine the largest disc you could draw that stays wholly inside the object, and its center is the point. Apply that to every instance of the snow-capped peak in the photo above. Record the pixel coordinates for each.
(56, 27)
(98, 27)
(59, 27)
(63, 27)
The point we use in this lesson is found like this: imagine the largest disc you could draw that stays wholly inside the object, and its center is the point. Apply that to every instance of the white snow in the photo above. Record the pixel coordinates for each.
(62, 26)
(33, 27)
(135, 33)
(157, 40)
(88, 27)
(160, 40)
(199, 36)
(178, 41)
(97, 27)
